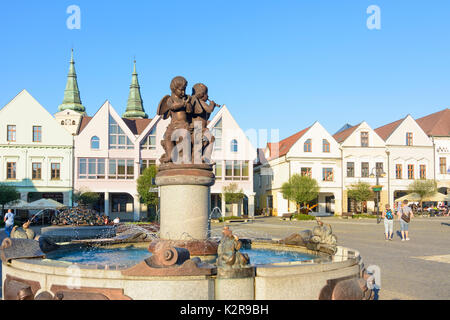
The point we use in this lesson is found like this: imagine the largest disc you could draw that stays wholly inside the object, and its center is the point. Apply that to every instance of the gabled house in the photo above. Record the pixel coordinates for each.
(437, 127)
(410, 155)
(363, 156)
(35, 151)
(311, 151)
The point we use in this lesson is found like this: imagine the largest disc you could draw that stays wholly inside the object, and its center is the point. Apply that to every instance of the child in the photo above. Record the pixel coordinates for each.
(388, 216)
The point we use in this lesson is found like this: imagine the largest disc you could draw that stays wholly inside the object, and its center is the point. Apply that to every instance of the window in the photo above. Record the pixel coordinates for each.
(37, 134)
(409, 139)
(307, 147)
(91, 168)
(410, 171)
(327, 174)
(218, 170)
(145, 163)
(37, 171)
(443, 165)
(423, 171)
(121, 169)
(379, 168)
(56, 171)
(306, 172)
(236, 170)
(364, 139)
(364, 170)
(326, 146)
(95, 143)
(150, 141)
(234, 145)
(217, 133)
(350, 169)
(11, 169)
(117, 138)
(11, 134)
(398, 171)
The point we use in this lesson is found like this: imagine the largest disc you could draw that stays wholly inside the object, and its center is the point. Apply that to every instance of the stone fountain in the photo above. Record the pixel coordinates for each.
(185, 263)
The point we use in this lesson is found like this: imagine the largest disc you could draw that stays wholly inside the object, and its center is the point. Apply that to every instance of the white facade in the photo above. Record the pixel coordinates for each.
(31, 139)
(360, 160)
(410, 158)
(322, 163)
(442, 161)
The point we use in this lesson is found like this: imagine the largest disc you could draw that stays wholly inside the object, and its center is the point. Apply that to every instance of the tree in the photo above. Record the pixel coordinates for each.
(360, 192)
(85, 197)
(301, 190)
(423, 188)
(146, 185)
(8, 193)
(232, 194)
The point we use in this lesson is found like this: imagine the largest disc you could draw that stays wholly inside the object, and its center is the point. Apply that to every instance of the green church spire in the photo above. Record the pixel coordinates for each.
(135, 106)
(72, 99)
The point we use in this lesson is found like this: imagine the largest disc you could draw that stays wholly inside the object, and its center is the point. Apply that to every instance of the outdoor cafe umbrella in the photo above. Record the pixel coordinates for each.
(436, 197)
(43, 204)
(18, 204)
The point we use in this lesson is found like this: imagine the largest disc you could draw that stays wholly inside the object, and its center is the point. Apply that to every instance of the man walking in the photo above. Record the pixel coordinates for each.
(404, 216)
(9, 222)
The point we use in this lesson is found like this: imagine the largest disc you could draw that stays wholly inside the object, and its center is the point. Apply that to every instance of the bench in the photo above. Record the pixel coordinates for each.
(346, 215)
(287, 216)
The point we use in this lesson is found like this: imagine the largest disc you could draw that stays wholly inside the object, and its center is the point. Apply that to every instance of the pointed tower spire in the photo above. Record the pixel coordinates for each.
(135, 106)
(72, 99)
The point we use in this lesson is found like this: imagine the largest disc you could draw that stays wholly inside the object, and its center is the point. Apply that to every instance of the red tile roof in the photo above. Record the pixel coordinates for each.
(341, 136)
(137, 126)
(284, 145)
(84, 122)
(385, 131)
(436, 124)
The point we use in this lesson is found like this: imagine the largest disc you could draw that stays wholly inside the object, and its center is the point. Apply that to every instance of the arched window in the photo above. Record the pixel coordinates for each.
(307, 146)
(73, 122)
(95, 143)
(234, 145)
(62, 122)
(326, 145)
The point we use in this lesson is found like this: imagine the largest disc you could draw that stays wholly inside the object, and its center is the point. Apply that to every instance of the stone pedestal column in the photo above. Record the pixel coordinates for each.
(185, 206)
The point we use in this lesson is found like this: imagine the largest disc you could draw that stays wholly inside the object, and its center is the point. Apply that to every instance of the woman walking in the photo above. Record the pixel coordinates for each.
(388, 216)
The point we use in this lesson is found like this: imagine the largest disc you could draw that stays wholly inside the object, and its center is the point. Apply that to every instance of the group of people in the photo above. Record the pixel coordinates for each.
(404, 215)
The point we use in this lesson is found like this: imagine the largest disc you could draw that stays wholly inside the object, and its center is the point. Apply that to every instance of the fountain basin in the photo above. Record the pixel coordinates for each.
(68, 233)
(310, 279)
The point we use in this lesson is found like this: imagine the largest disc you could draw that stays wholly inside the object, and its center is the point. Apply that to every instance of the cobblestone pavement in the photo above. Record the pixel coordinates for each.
(415, 269)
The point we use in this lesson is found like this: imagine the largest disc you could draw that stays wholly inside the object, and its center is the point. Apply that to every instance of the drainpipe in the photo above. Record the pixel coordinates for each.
(389, 177)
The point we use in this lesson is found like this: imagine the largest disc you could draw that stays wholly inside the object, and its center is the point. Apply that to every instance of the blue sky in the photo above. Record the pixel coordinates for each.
(275, 64)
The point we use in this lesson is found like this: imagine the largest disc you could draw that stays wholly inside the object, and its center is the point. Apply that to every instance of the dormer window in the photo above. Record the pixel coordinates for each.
(37, 134)
(364, 139)
(409, 139)
(307, 147)
(326, 146)
(234, 145)
(95, 143)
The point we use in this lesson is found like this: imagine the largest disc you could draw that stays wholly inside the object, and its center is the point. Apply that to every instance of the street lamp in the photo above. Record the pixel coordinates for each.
(377, 175)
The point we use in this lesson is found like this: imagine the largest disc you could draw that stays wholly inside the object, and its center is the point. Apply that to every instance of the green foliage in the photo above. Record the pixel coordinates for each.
(8, 194)
(300, 216)
(232, 194)
(222, 219)
(423, 188)
(360, 192)
(146, 182)
(85, 197)
(300, 189)
(370, 216)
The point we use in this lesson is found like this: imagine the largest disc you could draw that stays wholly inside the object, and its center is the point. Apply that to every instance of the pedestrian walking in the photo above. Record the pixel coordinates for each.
(404, 216)
(388, 217)
(9, 222)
